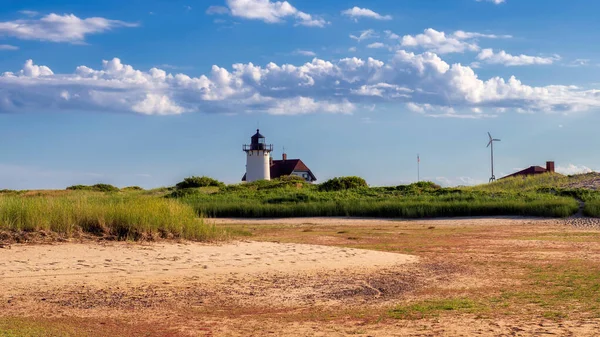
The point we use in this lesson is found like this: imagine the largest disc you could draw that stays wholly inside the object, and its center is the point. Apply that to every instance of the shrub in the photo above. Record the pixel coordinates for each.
(343, 183)
(132, 188)
(193, 182)
(95, 188)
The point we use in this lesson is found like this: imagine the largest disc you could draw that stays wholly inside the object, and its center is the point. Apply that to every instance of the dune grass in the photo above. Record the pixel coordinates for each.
(120, 215)
(421, 200)
(592, 209)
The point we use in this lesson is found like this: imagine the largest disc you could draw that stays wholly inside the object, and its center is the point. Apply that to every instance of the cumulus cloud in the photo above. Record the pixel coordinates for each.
(504, 58)
(59, 28)
(272, 12)
(8, 47)
(357, 12)
(424, 82)
(573, 169)
(442, 43)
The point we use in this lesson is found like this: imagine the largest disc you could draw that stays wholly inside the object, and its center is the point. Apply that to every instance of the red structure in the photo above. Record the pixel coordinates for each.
(533, 170)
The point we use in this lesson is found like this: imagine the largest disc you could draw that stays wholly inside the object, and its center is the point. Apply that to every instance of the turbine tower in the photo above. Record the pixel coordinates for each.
(491, 144)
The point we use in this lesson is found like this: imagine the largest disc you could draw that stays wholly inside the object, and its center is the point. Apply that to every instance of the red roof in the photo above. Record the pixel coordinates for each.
(280, 168)
(528, 171)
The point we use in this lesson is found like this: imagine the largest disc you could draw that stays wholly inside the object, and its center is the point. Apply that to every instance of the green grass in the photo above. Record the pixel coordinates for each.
(592, 208)
(132, 213)
(120, 215)
(278, 199)
(435, 307)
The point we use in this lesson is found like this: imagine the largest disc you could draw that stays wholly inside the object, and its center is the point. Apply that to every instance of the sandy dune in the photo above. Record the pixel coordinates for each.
(25, 265)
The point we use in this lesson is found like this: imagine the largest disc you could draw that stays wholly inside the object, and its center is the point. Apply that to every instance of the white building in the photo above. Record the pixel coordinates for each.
(261, 166)
(258, 158)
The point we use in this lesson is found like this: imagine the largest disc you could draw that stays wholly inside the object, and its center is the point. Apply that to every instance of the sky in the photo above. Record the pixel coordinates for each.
(148, 92)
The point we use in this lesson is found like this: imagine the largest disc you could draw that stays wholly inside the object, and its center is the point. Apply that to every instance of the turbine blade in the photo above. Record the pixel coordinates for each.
(490, 136)
(490, 143)
(496, 140)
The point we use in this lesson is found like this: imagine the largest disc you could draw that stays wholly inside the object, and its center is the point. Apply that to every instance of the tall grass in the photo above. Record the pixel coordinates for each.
(121, 216)
(592, 208)
(390, 208)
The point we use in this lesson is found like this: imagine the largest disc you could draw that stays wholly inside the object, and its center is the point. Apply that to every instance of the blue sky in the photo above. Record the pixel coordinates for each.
(149, 92)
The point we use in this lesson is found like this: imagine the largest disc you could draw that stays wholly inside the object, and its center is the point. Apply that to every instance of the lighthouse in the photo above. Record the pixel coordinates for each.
(258, 155)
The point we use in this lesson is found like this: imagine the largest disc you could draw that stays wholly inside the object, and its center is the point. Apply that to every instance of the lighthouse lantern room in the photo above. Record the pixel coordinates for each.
(258, 155)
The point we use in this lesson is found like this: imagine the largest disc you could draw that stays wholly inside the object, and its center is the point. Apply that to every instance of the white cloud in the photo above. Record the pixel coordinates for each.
(376, 45)
(442, 43)
(573, 169)
(156, 104)
(424, 82)
(502, 57)
(306, 105)
(305, 53)
(217, 10)
(462, 35)
(456, 181)
(579, 63)
(438, 42)
(496, 2)
(364, 35)
(352, 49)
(59, 28)
(392, 35)
(357, 12)
(8, 47)
(272, 12)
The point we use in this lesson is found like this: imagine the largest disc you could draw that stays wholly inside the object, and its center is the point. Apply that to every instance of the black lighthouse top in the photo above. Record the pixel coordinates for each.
(258, 143)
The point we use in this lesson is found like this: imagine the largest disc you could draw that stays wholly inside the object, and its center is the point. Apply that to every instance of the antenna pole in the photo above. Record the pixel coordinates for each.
(418, 168)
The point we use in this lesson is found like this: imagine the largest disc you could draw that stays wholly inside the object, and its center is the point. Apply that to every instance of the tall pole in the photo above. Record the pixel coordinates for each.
(418, 168)
(493, 178)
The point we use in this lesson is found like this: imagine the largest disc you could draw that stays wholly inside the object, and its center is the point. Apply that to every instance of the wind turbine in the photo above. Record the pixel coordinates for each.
(491, 144)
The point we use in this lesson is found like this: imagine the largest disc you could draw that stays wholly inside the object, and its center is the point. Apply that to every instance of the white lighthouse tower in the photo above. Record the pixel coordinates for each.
(258, 155)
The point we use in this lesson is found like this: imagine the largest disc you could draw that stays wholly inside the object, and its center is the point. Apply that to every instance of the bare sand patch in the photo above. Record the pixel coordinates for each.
(57, 264)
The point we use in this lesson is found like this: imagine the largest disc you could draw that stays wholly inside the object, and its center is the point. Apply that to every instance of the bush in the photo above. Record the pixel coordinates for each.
(343, 183)
(95, 188)
(193, 182)
(132, 188)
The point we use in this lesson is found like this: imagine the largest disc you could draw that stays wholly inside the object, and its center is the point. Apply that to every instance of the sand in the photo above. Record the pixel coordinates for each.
(23, 266)
(314, 287)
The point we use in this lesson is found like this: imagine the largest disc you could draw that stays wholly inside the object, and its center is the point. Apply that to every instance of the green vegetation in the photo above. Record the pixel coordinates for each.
(592, 208)
(432, 308)
(120, 216)
(350, 196)
(95, 188)
(193, 182)
(134, 213)
(342, 183)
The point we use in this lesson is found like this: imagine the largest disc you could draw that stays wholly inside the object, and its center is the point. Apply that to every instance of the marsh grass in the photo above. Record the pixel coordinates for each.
(307, 204)
(592, 208)
(129, 217)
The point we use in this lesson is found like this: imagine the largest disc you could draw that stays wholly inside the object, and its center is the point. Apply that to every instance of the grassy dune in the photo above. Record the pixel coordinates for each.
(120, 215)
(176, 212)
